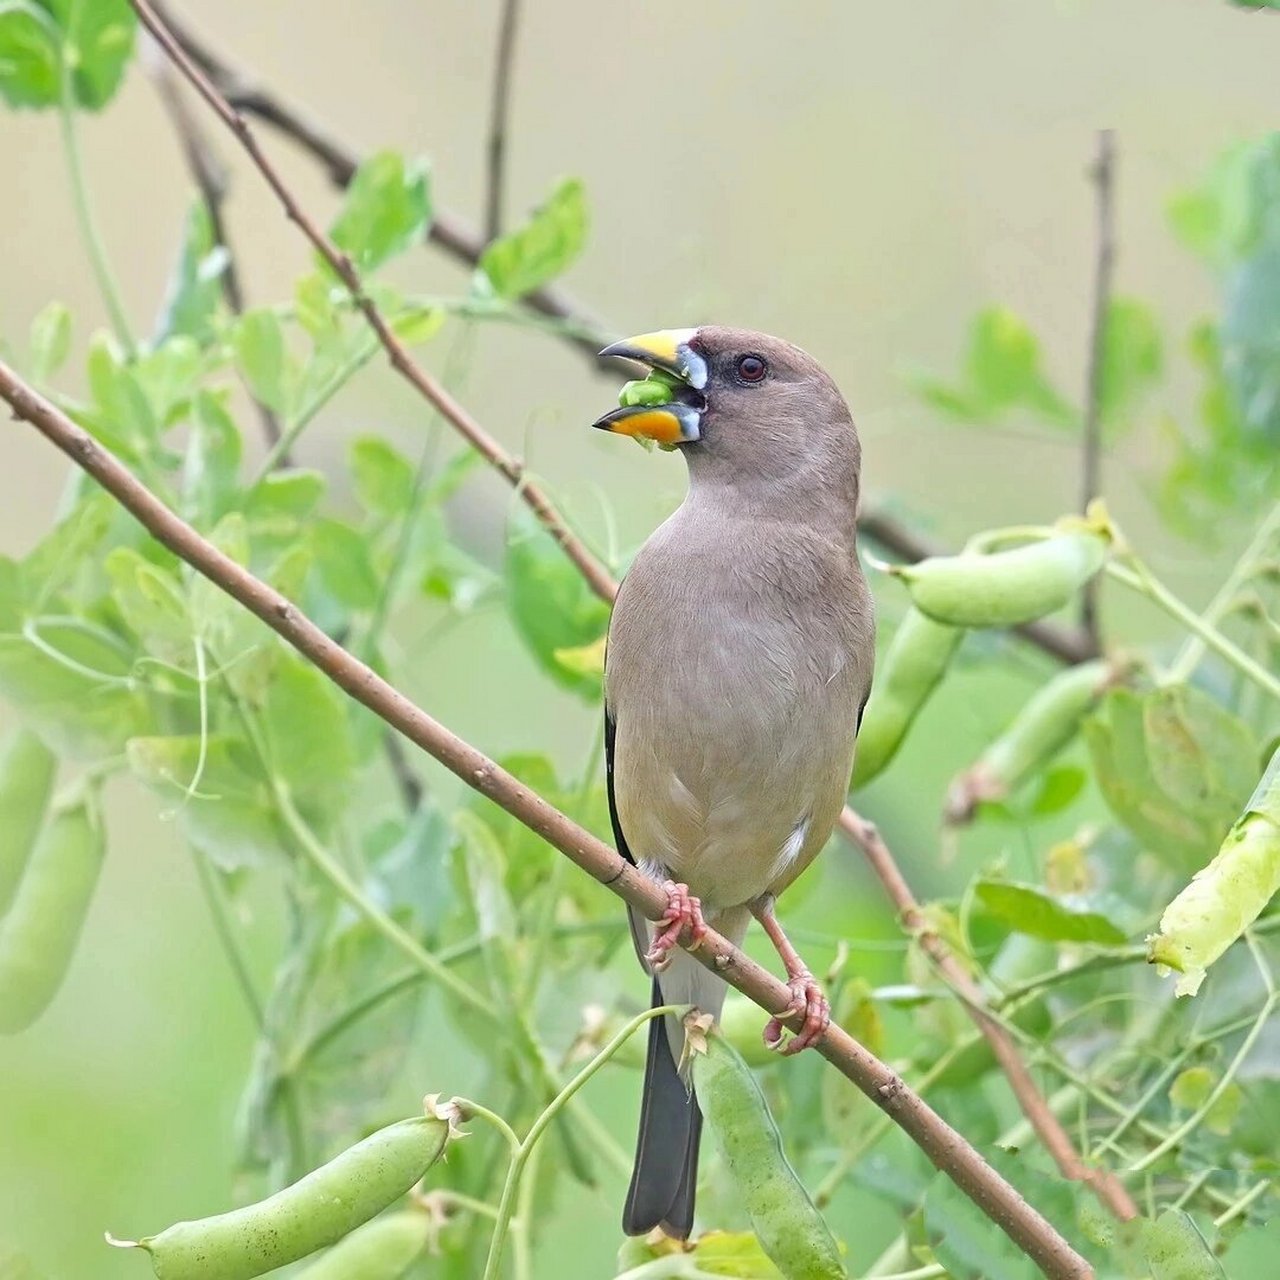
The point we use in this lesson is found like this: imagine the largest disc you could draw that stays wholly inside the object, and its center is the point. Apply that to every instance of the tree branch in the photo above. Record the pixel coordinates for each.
(448, 230)
(947, 1148)
(210, 177)
(1102, 173)
(1047, 1126)
(498, 118)
(401, 361)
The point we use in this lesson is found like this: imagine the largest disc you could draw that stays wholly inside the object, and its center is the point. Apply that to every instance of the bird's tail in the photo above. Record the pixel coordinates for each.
(665, 1177)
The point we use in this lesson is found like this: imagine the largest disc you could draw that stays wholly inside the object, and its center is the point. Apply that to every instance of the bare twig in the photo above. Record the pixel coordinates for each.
(403, 363)
(947, 1148)
(497, 150)
(1047, 1126)
(448, 230)
(1102, 171)
(210, 176)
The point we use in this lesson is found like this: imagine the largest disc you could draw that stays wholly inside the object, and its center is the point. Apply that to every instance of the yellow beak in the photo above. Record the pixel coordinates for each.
(676, 422)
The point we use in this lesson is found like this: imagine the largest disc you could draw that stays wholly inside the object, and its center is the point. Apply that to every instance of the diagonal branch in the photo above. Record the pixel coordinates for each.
(401, 361)
(1102, 171)
(1047, 1126)
(944, 1146)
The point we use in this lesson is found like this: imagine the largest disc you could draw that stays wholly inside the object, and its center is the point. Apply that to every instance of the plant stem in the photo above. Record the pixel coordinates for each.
(226, 936)
(525, 1149)
(1140, 578)
(1193, 651)
(509, 1135)
(350, 892)
(107, 285)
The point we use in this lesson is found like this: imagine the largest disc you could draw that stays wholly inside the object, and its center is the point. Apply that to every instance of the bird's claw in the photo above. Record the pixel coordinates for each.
(684, 911)
(807, 998)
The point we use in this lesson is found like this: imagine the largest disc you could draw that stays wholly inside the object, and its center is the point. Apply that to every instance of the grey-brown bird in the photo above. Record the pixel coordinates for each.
(738, 662)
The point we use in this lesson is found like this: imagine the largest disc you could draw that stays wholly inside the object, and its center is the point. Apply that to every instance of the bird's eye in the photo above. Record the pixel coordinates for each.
(752, 368)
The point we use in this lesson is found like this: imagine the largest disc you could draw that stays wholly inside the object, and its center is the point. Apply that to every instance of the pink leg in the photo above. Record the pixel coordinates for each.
(806, 995)
(684, 911)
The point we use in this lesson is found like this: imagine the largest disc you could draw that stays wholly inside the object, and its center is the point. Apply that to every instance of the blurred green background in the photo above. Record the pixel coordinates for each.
(857, 176)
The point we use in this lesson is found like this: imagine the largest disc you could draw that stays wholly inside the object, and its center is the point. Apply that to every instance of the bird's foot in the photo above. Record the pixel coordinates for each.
(684, 911)
(807, 998)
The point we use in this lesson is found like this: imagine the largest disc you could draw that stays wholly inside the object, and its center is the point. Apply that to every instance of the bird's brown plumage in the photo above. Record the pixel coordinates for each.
(739, 656)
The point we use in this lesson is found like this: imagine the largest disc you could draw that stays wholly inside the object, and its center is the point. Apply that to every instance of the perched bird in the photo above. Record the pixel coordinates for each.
(738, 661)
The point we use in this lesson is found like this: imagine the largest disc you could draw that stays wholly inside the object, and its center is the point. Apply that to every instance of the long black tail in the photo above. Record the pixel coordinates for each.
(666, 1171)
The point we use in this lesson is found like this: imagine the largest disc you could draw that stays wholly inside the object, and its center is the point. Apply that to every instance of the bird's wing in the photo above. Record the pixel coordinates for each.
(639, 925)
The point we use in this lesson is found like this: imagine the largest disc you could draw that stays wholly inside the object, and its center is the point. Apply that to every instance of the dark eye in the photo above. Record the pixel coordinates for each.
(751, 368)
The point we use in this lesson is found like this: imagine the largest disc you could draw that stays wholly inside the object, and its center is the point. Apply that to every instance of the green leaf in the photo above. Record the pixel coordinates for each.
(1190, 1090)
(73, 688)
(1201, 755)
(153, 604)
(484, 867)
(282, 499)
(258, 343)
(50, 341)
(550, 605)
(342, 559)
(1002, 371)
(307, 735)
(417, 324)
(383, 477)
(195, 284)
(211, 472)
(126, 420)
(1175, 1249)
(94, 36)
(1029, 910)
(534, 254)
(64, 551)
(1131, 359)
(168, 375)
(1117, 741)
(220, 800)
(386, 209)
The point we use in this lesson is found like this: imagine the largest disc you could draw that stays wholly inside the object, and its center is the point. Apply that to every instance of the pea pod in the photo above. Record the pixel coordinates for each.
(788, 1225)
(383, 1249)
(314, 1212)
(1046, 724)
(645, 391)
(1226, 897)
(912, 667)
(26, 778)
(38, 936)
(1005, 588)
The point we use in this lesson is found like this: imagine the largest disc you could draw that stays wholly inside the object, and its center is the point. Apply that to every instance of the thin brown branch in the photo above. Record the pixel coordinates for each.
(1102, 171)
(401, 361)
(1048, 1128)
(498, 117)
(944, 1146)
(210, 176)
(448, 230)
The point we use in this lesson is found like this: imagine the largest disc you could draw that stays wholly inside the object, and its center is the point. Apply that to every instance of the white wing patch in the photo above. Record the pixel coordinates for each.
(791, 847)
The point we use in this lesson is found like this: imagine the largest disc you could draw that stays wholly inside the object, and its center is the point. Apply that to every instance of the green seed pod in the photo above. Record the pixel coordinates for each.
(788, 1225)
(38, 936)
(383, 1249)
(1005, 588)
(1046, 724)
(646, 391)
(912, 667)
(26, 778)
(315, 1211)
(1226, 897)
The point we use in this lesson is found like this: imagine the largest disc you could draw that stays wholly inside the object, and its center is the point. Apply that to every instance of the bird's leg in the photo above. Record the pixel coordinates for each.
(806, 995)
(684, 911)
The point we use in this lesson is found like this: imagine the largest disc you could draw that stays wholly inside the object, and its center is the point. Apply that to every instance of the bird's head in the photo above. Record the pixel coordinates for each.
(739, 404)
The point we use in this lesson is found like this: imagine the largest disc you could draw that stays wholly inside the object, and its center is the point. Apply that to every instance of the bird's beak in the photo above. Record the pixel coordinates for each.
(677, 419)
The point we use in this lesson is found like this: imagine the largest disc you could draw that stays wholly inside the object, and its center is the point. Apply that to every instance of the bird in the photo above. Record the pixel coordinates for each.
(738, 661)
